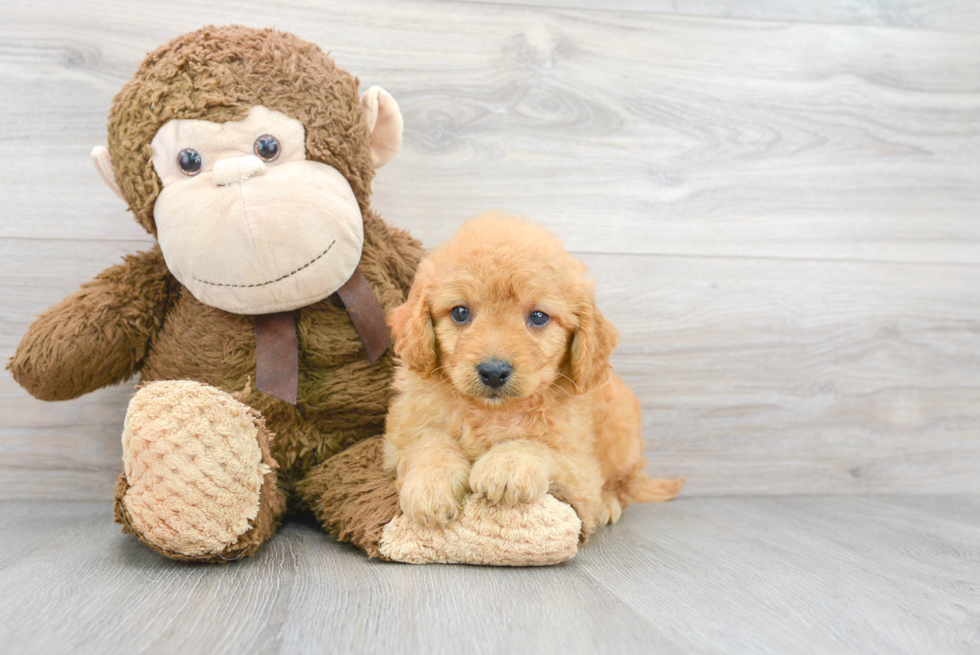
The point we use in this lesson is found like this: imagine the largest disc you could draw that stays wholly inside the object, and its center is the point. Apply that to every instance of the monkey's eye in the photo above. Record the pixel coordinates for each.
(189, 162)
(460, 315)
(267, 147)
(537, 319)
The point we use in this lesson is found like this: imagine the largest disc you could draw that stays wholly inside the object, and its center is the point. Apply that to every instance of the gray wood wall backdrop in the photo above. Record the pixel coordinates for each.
(780, 202)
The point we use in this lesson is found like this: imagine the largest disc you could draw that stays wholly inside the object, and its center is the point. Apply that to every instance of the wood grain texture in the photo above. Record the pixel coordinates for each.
(953, 15)
(626, 132)
(782, 217)
(747, 575)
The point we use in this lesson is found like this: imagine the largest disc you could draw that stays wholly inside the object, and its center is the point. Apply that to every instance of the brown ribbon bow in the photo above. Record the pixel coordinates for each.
(277, 348)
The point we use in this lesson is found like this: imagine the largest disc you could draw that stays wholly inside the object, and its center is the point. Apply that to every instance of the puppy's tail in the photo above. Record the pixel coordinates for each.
(655, 490)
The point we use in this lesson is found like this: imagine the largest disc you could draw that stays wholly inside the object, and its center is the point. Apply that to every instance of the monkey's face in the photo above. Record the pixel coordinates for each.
(245, 221)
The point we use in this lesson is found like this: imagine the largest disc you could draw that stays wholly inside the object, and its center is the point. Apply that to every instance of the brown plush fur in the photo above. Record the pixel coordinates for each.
(99, 335)
(135, 317)
(218, 74)
(562, 416)
(354, 496)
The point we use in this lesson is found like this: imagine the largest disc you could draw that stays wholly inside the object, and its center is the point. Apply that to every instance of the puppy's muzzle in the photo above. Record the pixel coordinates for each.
(494, 373)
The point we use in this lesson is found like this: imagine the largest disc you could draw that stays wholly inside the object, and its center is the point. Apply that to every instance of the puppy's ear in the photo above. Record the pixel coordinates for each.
(412, 329)
(591, 345)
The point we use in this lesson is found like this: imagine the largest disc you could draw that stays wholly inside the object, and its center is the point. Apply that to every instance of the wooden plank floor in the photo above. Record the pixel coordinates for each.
(724, 575)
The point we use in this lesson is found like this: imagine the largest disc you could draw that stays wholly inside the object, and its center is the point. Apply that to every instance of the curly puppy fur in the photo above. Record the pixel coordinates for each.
(561, 417)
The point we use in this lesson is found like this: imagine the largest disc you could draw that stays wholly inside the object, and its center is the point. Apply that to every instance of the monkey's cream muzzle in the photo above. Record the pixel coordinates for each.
(251, 236)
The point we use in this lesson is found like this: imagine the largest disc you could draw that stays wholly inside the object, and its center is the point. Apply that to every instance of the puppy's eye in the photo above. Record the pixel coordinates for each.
(189, 162)
(460, 314)
(267, 147)
(537, 319)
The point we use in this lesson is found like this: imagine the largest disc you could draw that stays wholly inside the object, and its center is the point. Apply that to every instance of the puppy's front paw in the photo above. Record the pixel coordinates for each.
(510, 478)
(431, 499)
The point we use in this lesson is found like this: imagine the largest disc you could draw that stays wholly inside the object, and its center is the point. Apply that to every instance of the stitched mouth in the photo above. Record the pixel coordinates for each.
(278, 279)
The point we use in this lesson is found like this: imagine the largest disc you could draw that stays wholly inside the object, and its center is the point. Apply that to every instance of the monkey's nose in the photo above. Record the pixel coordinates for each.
(236, 169)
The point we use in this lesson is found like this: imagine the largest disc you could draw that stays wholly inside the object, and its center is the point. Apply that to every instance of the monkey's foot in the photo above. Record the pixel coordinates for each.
(355, 498)
(198, 480)
(539, 533)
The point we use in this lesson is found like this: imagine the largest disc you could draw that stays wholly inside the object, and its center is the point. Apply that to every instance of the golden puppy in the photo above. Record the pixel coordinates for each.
(505, 388)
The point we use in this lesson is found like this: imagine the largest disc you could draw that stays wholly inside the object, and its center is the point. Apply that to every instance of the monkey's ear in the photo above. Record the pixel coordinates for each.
(384, 122)
(103, 164)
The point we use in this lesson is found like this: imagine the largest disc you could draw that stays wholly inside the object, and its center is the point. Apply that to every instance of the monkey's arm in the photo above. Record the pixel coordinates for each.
(97, 336)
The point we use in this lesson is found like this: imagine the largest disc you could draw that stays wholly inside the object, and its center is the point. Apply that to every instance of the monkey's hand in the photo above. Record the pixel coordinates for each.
(97, 336)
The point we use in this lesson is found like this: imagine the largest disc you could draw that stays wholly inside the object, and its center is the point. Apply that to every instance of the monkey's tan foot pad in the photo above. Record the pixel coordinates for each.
(536, 534)
(194, 466)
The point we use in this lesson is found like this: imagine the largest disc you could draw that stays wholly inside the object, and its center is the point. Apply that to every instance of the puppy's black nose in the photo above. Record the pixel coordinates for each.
(494, 373)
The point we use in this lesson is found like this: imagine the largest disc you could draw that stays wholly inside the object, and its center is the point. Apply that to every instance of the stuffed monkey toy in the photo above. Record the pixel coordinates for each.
(257, 320)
